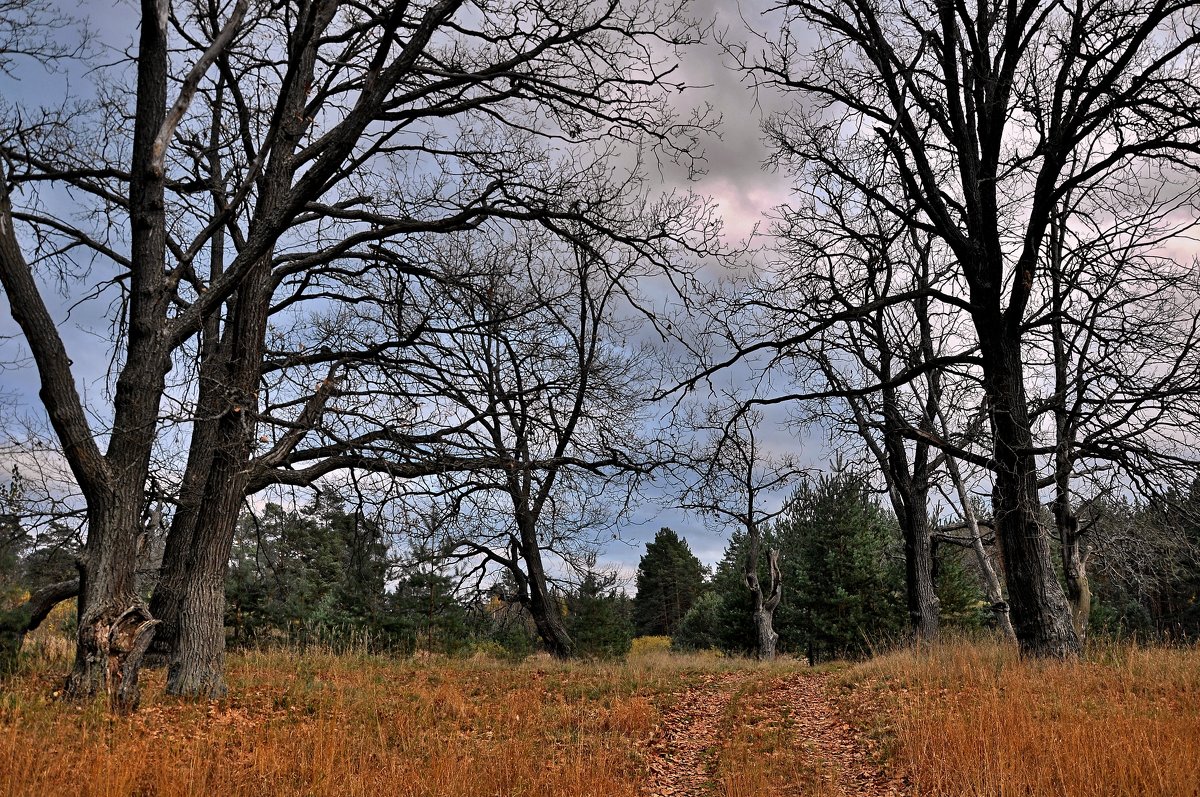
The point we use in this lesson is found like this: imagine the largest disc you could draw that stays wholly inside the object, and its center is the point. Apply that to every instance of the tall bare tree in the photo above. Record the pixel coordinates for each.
(115, 626)
(534, 371)
(1118, 338)
(323, 129)
(735, 480)
(990, 115)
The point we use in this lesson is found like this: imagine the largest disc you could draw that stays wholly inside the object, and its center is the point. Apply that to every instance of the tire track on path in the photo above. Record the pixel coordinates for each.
(842, 761)
(829, 758)
(683, 754)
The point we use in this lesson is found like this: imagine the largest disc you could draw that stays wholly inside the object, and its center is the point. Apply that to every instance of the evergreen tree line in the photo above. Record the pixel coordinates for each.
(842, 569)
(325, 574)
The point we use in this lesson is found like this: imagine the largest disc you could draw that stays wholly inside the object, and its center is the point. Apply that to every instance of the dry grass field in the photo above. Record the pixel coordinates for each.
(345, 725)
(961, 720)
(977, 721)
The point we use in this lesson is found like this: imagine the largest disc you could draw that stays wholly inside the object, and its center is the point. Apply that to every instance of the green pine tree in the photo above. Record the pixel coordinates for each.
(843, 566)
(598, 619)
(669, 580)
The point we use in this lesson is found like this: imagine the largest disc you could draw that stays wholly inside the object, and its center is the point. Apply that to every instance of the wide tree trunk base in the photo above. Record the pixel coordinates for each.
(557, 643)
(197, 681)
(197, 666)
(925, 625)
(1055, 639)
(109, 657)
(554, 636)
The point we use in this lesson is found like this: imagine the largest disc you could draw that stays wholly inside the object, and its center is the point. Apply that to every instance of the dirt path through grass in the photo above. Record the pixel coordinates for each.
(748, 732)
(682, 755)
(841, 762)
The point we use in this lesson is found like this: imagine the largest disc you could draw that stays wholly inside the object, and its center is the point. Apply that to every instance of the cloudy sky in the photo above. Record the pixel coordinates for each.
(735, 179)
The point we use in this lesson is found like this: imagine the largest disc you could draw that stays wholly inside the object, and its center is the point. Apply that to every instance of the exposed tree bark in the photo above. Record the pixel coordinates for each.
(195, 594)
(921, 596)
(542, 606)
(166, 602)
(1040, 613)
(115, 626)
(763, 613)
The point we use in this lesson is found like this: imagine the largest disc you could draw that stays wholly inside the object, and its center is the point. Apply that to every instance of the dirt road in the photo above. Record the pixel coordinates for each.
(829, 758)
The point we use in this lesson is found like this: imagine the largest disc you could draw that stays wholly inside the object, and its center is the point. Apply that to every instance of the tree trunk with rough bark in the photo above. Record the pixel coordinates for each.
(763, 613)
(166, 603)
(115, 626)
(193, 596)
(197, 663)
(923, 605)
(545, 610)
(1040, 613)
(548, 620)
(764, 625)
(1075, 557)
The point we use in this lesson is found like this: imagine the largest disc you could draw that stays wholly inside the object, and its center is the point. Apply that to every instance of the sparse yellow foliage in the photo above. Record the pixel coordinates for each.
(644, 645)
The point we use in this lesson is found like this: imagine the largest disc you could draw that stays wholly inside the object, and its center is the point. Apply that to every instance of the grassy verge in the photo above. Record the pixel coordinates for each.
(974, 719)
(956, 721)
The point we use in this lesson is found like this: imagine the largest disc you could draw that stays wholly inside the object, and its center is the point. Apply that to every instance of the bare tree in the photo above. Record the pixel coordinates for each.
(1121, 347)
(114, 624)
(975, 539)
(880, 374)
(731, 479)
(980, 111)
(325, 129)
(531, 370)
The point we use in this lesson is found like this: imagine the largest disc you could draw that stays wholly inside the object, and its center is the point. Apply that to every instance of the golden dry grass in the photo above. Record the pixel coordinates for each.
(321, 724)
(974, 719)
(959, 720)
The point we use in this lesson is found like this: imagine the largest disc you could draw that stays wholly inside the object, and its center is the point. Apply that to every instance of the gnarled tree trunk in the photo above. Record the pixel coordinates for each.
(545, 610)
(1075, 556)
(197, 662)
(763, 613)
